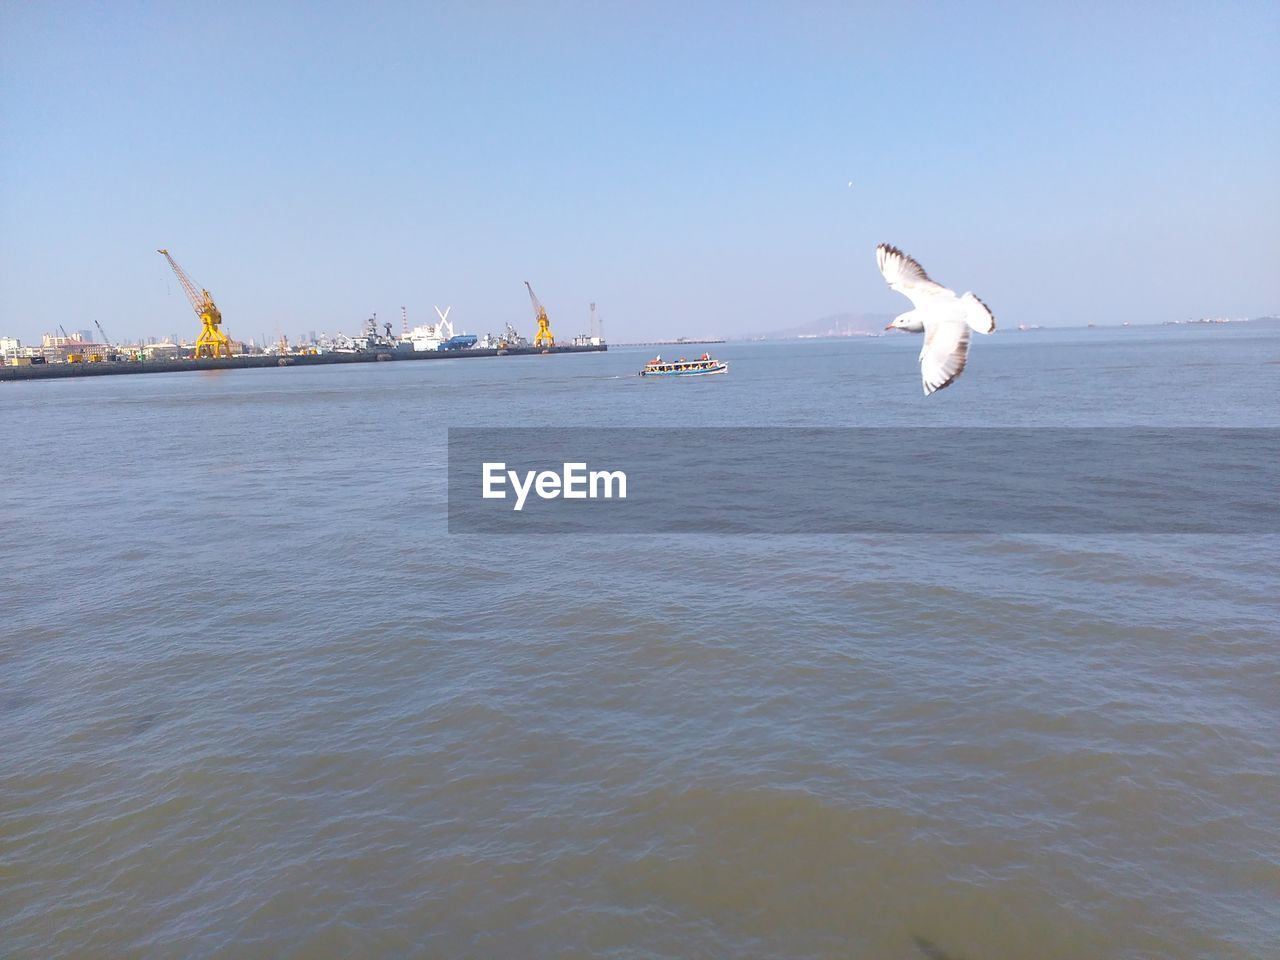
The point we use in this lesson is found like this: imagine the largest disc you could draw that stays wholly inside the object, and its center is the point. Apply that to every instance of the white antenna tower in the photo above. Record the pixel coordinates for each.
(404, 321)
(591, 324)
(444, 320)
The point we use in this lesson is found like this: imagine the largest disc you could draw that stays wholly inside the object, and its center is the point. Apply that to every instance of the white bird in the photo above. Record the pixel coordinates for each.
(943, 318)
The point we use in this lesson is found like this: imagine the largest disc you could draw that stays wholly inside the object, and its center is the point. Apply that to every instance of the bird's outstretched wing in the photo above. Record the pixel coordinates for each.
(977, 314)
(943, 356)
(905, 275)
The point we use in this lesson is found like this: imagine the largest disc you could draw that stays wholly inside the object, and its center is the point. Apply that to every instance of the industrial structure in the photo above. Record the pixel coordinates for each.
(543, 337)
(427, 336)
(81, 354)
(212, 342)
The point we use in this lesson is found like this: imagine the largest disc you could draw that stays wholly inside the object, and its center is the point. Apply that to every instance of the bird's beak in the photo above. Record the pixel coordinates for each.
(888, 326)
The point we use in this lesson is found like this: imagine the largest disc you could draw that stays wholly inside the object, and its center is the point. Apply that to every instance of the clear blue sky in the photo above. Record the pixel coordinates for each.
(685, 165)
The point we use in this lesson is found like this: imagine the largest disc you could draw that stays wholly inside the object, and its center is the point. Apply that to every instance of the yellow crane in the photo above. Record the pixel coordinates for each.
(212, 342)
(543, 337)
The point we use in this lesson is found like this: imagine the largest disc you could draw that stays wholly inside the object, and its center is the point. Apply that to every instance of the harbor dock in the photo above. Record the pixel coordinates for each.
(55, 371)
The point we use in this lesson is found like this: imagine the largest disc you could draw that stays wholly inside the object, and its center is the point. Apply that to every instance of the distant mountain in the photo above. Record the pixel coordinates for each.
(836, 325)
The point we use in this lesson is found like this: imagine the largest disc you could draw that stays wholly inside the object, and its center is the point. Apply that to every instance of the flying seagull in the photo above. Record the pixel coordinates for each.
(944, 318)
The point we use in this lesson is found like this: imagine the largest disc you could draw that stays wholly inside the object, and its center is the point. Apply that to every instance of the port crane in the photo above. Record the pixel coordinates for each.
(74, 357)
(112, 353)
(543, 338)
(212, 342)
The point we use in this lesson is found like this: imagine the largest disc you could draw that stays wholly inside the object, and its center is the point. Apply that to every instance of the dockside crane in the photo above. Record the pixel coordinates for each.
(543, 338)
(110, 353)
(66, 342)
(212, 342)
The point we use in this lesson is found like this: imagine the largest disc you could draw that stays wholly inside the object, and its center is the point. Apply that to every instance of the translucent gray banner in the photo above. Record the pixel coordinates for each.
(864, 480)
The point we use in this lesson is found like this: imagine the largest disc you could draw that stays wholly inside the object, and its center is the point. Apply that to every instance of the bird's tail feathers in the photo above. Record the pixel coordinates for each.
(977, 314)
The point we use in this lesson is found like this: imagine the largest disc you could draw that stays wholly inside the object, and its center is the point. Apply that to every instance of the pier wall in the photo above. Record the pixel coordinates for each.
(106, 368)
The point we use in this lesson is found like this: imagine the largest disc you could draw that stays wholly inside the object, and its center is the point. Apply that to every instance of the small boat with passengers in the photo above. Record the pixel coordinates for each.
(704, 365)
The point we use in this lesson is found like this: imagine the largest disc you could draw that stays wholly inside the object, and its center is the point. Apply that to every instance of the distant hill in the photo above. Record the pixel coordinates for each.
(835, 325)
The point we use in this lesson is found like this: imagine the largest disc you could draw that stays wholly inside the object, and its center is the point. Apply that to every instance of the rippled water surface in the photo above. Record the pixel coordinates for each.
(257, 702)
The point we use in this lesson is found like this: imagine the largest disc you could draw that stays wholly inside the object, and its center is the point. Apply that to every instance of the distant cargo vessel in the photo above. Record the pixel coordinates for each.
(462, 341)
(703, 366)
